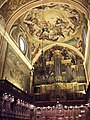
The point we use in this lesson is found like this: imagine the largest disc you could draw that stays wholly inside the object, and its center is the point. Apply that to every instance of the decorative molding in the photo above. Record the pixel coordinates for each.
(2, 2)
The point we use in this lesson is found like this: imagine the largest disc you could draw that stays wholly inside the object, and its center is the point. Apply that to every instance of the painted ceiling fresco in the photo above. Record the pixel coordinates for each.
(8, 7)
(52, 22)
(55, 23)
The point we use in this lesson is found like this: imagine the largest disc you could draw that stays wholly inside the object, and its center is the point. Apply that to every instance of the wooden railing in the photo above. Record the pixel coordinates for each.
(7, 87)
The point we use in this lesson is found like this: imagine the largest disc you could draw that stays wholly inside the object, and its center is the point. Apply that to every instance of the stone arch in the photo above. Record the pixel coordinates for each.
(59, 44)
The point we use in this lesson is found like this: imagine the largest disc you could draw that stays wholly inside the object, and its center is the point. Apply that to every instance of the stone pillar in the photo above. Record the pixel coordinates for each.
(31, 81)
(87, 56)
(3, 48)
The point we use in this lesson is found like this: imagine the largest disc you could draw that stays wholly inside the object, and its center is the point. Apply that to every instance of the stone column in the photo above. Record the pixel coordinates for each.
(31, 81)
(3, 48)
(87, 56)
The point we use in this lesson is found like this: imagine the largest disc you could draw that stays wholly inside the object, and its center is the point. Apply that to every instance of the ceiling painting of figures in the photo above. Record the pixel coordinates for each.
(53, 22)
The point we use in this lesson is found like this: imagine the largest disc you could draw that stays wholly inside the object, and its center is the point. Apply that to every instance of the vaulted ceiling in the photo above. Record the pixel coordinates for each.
(53, 22)
(51, 25)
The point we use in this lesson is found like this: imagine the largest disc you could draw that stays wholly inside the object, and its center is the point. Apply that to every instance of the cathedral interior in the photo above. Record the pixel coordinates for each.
(44, 60)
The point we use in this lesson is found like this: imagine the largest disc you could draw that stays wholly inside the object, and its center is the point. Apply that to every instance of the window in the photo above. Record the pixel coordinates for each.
(22, 44)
